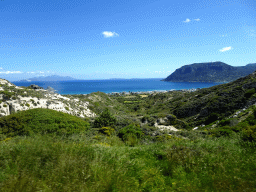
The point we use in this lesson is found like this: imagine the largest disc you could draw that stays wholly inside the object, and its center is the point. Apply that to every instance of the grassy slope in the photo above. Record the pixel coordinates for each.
(81, 163)
(216, 160)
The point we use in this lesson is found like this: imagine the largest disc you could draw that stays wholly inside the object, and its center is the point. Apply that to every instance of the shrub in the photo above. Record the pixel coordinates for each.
(6, 94)
(105, 120)
(230, 122)
(27, 105)
(4, 105)
(249, 93)
(225, 131)
(211, 118)
(67, 108)
(43, 121)
(107, 130)
(149, 119)
(249, 134)
(130, 131)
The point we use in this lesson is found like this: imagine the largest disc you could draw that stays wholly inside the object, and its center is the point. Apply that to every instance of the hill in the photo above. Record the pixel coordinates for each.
(188, 109)
(210, 72)
(14, 98)
(50, 78)
(152, 144)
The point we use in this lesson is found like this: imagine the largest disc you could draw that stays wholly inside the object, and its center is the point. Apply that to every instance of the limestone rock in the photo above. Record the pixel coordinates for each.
(51, 100)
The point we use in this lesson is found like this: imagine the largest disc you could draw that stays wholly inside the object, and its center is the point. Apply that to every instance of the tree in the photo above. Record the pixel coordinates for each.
(105, 120)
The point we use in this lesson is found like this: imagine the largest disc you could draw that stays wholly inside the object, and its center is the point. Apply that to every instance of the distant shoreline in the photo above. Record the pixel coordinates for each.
(140, 86)
(142, 92)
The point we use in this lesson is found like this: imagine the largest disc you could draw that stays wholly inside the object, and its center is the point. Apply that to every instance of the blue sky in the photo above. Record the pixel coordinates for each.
(89, 39)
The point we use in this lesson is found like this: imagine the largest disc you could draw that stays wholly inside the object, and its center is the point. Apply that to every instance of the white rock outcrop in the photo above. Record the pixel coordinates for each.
(163, 127)
(50, 101)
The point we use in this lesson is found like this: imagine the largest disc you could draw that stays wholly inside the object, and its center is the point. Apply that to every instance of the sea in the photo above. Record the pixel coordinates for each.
(115, 85)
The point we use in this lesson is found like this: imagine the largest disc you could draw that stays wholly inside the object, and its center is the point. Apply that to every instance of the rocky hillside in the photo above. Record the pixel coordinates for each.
(210, 72)
(14, 99)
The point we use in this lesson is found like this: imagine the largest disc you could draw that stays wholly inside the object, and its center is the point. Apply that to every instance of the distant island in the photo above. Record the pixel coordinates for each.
(210, 72)
(49, 78)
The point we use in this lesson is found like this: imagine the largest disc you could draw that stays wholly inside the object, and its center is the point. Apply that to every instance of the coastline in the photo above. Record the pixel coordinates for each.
(142, 92)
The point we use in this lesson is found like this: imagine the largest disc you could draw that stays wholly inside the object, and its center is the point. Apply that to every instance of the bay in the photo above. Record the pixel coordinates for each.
(115, 85)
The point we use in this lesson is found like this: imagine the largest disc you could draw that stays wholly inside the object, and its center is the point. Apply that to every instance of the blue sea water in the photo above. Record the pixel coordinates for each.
(116, 85)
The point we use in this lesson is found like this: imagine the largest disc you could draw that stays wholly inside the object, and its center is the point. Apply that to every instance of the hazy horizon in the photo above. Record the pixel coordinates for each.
(90, 79)
(122, 39)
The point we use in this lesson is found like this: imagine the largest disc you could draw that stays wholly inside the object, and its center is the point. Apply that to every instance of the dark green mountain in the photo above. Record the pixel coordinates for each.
(210, 72)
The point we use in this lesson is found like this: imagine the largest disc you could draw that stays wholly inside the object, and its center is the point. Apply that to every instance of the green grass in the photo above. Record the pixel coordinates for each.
(98, 163)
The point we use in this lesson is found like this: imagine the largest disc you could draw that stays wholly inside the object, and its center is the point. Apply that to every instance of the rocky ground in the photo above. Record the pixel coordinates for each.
(50, 100)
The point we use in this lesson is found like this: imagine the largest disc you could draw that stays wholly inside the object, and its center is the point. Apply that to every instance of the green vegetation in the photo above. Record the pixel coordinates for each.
(35, 156)
(6, 94)
(249, 93)
(105, 119)
(130, 131)
(122, 150)
(44, 121)
(101, 163)
(209, 72)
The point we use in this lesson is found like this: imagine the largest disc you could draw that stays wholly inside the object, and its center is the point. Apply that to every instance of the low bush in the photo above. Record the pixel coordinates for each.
(225, 131)
(249, 93)
(130, 134)
(148, 119)
(211, 118)
(41, 121)
(107, 130)
(249, 134)
(231, 122)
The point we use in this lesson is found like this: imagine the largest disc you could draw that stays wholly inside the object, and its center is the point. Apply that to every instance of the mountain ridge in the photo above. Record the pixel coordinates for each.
(49, 78)
(210, 72)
